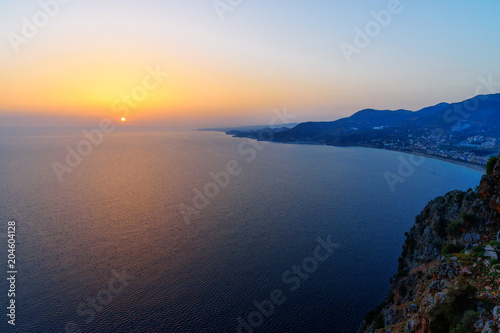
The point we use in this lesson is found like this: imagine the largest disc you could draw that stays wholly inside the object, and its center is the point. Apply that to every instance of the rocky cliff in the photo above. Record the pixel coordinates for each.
(448, 279)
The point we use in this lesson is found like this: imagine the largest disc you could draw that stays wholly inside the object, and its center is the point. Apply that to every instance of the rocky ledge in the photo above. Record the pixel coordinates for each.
(448, 278)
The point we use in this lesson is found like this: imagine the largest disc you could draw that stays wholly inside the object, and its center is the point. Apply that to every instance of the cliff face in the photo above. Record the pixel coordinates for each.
(448, 278)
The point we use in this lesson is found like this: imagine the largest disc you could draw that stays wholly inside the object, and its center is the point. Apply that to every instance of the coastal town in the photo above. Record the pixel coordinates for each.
(475, 150)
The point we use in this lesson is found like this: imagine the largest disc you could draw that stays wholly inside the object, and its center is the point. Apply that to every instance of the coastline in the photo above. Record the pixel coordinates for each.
(457, 260)
(475, 167)
(472, 166)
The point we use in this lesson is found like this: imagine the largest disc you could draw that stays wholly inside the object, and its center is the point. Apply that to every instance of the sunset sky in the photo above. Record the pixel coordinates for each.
(265, 54)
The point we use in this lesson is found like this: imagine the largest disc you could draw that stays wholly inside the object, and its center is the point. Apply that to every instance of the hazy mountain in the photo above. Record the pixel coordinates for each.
(473, 116)
(249, 128)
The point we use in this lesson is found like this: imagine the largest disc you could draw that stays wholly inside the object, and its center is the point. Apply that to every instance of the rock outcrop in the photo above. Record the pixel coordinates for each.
(448, 277)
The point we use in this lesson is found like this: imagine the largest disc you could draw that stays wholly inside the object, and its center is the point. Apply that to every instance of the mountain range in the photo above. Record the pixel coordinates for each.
(478, 115)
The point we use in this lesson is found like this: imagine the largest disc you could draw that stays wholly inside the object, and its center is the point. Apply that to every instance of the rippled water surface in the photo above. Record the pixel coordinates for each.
(118, 211)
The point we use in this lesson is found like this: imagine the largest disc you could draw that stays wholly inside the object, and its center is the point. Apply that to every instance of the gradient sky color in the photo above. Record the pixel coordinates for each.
(264, 55)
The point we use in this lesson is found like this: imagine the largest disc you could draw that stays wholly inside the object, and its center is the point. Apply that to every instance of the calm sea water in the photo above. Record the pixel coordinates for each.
(118, 211)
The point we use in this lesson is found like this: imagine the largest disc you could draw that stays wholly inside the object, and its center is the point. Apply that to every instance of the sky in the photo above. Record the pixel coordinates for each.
(205, 63)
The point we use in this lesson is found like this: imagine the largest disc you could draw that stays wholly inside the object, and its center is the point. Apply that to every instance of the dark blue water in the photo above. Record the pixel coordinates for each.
(117, 214)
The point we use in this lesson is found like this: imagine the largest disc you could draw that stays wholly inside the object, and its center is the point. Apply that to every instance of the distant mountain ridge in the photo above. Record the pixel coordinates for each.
(444, 130)
(479, 114)
(248, 128)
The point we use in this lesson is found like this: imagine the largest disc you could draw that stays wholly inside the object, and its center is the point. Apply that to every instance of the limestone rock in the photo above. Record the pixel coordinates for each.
(491, 254)
(496, 315)
(428, 276)
(487, 328)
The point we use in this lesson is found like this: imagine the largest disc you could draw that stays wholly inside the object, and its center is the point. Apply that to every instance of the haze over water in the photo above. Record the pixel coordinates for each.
(119, 210)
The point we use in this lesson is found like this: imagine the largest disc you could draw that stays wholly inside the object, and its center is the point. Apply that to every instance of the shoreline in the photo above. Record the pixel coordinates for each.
(475, 167)
(472, 166)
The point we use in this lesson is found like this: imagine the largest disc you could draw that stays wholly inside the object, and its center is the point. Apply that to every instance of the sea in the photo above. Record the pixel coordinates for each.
(161, 230)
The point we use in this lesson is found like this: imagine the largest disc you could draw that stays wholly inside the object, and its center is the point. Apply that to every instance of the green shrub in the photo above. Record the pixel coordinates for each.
(493, 274)
(456, 313)
(451, 248)
(469, 219)
(459, 300)
(402, 272)
(439, 322)
(467, 322)
(379, 321)
(494, 243)
(459, 329)
(390, 298)
(369, 317)
(490, 165)
(479, 250)
(411, 243)
(440, 228)
(455, 228)
(466, 257)
(402, 289)
(469, 318)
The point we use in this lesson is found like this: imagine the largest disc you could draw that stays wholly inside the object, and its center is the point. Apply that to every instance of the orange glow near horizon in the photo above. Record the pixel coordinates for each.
(90, 60)
(73, 87)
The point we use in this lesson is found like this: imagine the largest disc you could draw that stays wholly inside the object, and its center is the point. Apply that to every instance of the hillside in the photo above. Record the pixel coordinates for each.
(448, 279)
(472, 116)
(467, 131)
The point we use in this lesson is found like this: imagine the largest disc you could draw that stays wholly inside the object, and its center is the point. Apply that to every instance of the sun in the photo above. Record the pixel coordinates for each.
(123, 119)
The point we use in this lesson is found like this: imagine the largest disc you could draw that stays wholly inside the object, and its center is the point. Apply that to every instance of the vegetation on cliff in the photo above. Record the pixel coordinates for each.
(448, 277)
